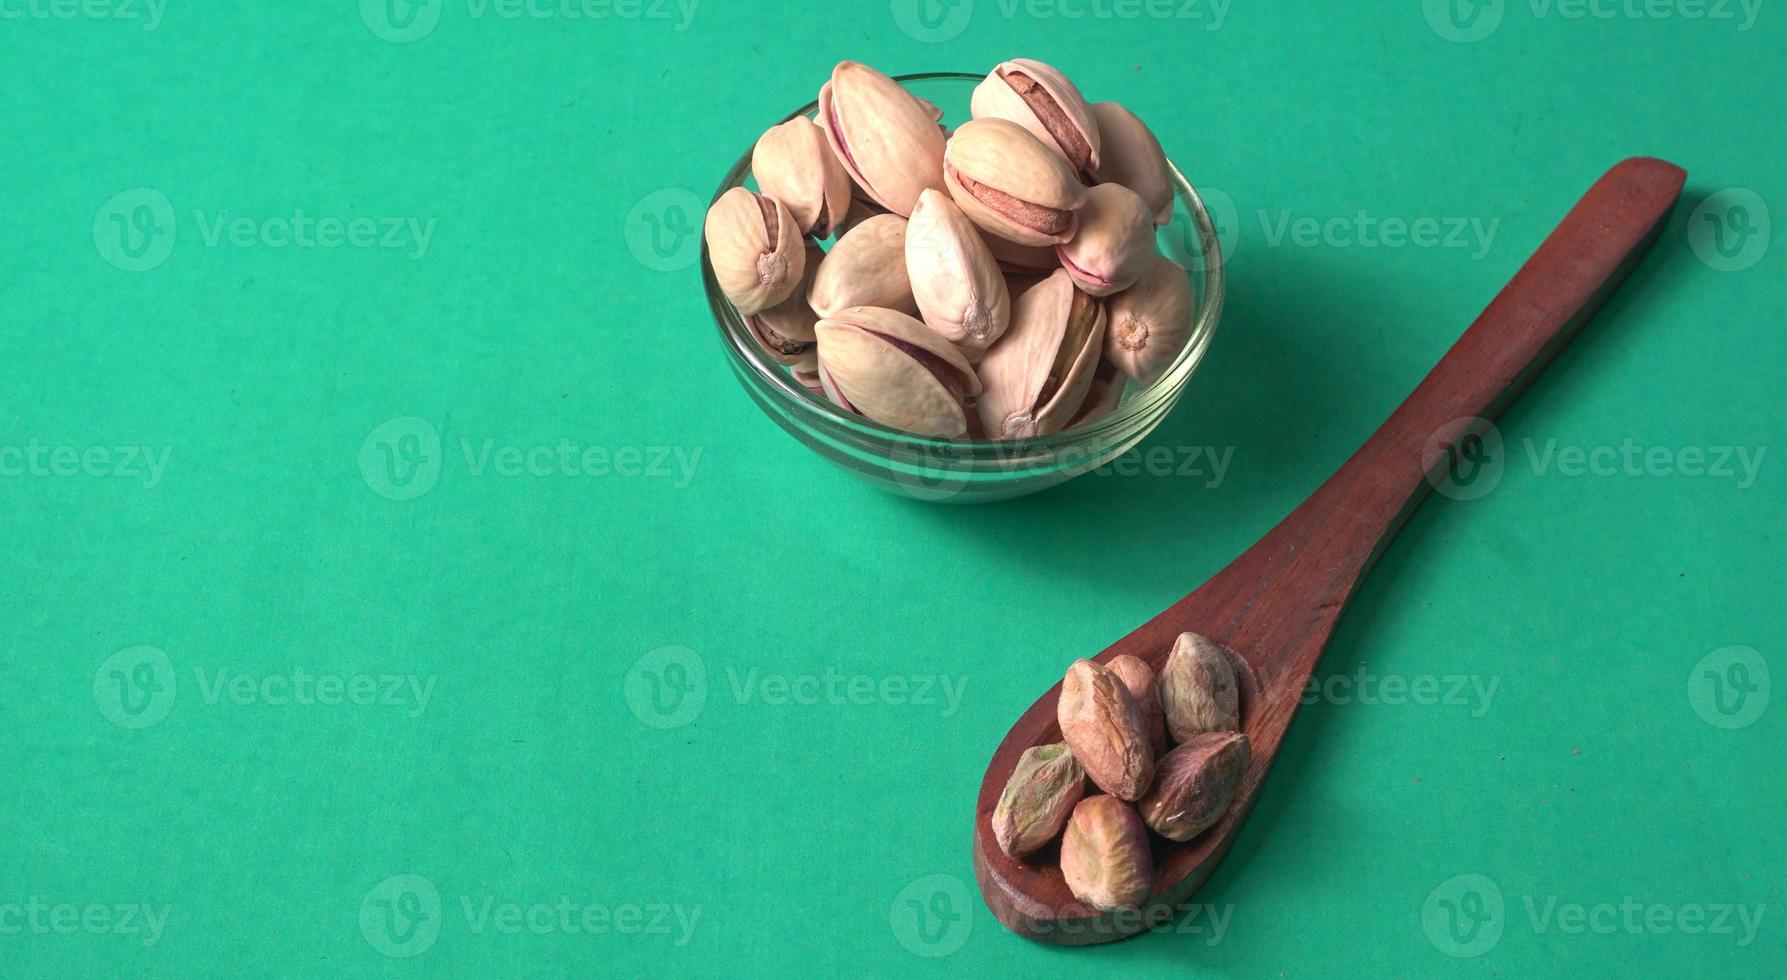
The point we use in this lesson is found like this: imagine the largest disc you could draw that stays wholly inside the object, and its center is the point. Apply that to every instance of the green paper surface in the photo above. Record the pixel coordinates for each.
(398, 583)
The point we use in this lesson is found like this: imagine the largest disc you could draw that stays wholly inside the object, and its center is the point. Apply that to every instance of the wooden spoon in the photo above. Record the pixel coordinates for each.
(1274, 608)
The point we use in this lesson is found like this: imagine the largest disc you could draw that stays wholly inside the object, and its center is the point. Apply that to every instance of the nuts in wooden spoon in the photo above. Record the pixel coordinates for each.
(1194, 785)
(1198, 689)
(1042, 792)
(1105, 856)
(1103, 726)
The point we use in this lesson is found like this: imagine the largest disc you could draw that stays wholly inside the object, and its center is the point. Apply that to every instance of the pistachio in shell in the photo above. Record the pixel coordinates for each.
(785, 331)
(1195, 783)
(1198, 689)
(886, 366)
(793, 164)
(1039, 98)
(1036, 377)
(1037, 260)
(755, 248)
(1010, 184)
(1104, 395)
(1102, 724)
(1114, 244)
(1105, 856)
(1043, 789)
(955, 280)
(806, 371)
(887, 140)
(1130, 155)
(866, 267)
(1150, 322)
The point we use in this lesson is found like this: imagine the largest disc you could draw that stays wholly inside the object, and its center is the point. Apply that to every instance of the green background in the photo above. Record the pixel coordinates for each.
(536, 611)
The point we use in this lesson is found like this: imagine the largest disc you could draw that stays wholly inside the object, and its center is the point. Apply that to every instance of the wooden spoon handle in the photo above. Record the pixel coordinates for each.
(1307, 568)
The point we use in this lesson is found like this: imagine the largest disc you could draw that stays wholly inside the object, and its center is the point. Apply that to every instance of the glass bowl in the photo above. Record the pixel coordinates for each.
(965, 470)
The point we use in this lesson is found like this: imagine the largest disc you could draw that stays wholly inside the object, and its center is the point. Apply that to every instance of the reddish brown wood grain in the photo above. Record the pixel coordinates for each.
(1276, 606)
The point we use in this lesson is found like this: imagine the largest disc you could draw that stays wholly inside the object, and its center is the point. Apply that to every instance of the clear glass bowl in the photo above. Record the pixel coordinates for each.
(970, 471)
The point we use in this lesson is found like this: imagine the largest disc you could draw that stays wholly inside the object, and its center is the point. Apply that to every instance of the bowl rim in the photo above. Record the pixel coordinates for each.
(1155, 398)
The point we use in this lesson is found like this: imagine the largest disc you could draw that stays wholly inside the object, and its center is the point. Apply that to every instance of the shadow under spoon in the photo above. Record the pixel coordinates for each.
(1275, 607)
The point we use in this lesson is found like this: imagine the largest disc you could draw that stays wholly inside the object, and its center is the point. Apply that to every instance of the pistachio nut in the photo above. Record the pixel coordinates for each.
(785, 331)
(793, 164)
(1198, 689)
(1138, 677)
(1037, 376)
(1150, 322)
(755, 249)
(1015, 258)
(1114, 242)
(1195, 784)
(1103, 397)
(1043, 789)
(1131, 156)
(955, 281)
(1102, 724)
(1010, 184)
(866, 267)
(861, 209)
(1039, 98)
(1105, 856)
(888, 367)
(887, 140)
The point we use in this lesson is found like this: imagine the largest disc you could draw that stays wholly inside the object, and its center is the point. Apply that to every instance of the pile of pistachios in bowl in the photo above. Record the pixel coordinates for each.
(1117, 721)
(997, 281)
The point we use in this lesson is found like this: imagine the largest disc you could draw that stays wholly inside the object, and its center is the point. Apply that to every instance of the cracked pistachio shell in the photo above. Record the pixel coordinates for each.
(756, 251)
(1036, 377)
(1105, 855)
(1102, 724)
(955, 280)
(793, 164)
(1138, 677)
(1195, 783)
(1041, 99)
(1151, 321)
(1114, 244)
(1010, 184)
(1131, 156)
(866, 267)
(888, 367)
(1045, 786)
(1103, 396)
(785, 331)
(887, 140)
(1198, 689)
